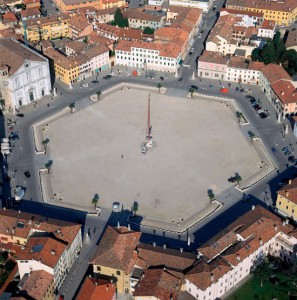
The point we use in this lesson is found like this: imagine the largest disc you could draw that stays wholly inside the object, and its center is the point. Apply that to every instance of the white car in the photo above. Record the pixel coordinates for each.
(199, 35)
(85, 85)
(19, 193)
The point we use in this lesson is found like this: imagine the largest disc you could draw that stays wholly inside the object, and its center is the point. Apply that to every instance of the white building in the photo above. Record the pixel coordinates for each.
(147, 55)
(267, 29)
(204, 5)
(231, 255)
(24, 74)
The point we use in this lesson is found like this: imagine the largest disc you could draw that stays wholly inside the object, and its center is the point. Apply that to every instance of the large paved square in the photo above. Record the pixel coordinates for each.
(198, 145)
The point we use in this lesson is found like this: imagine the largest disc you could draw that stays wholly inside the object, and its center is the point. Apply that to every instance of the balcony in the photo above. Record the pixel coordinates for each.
(280, 239)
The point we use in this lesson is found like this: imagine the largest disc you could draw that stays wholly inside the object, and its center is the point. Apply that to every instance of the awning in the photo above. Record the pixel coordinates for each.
(224, 90)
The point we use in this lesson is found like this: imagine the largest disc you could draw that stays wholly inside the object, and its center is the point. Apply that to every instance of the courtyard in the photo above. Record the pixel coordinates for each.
(198, 145)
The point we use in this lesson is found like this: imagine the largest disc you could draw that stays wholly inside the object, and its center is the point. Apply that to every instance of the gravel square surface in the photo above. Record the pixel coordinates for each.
(198, 145)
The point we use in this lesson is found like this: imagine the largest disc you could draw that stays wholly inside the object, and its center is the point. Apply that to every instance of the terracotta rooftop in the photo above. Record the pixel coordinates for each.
(255, 65)
(44, 249)
(76, 46)
(9, 17)
(37, 283)
(14, 54)
(141, 14)
(25, 224)
(277, 5)
(48, 20)
(291, 39)
(203, 275)
(238, 62)
(95, 289)
(31, 1)
(213, 57)
(167, 50)
(124, 33)
(240, 12)
(30, 12)
(268, 24)
(289, 191)
(95, 50)
(149, 256)
(257, 223)
(95, 38)
(160, 284)
(274, 73)
(79, 22)
(285, 91)
(117, 249)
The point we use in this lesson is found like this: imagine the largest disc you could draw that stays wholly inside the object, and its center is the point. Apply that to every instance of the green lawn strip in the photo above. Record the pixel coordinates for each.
(252, 290)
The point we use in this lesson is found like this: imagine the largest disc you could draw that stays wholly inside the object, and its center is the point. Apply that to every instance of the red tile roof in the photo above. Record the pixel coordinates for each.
(117, 249)
(159, 283)
(255, 65)
(203, 275)
(30, 12)
(148, 256)
(44, 249)
(37, 283)
(285, 91)
(96, 289)
(240, 12)
(9, 17)
(268, 24)
(214, 57)
(274, 73)
(9, 220)
(289, 191)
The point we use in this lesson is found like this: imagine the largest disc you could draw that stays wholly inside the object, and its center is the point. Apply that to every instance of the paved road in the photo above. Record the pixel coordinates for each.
(23, 157)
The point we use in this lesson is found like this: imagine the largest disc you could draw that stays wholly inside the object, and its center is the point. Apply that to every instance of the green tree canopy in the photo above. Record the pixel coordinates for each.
(274, 51)
(119, 19)
(148, 30)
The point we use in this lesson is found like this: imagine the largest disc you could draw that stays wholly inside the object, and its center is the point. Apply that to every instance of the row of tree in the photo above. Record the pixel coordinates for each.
(275, 51)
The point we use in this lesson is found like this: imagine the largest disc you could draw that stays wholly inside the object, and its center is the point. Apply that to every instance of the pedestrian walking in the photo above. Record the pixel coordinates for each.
(122, 156)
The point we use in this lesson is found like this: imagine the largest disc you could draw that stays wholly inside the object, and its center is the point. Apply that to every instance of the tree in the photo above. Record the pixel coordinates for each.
(48, 165)
(135, 208)
(2, 103)
(191, 91)
(263, 271)
(95, 200)
(98, 94)
(268, 53)
(72, 106)
(238, 115)
(159, 85)
(119, 19)
(251, 135)
(148, 30)
(211, 195)
(237, 178)
(45, 143)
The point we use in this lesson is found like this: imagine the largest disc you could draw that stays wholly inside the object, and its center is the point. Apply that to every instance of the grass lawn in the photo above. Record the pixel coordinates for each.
(252, 289)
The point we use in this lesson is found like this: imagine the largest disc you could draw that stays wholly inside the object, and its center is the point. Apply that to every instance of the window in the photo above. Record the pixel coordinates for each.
(98, 268)
(118, 272)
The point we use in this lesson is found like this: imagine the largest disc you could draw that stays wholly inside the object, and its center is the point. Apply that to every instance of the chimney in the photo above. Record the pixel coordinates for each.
(129, 227)
(260, 241)
(284, 223)
(181, 250)
(164, 246)
(237, 256)
(290, 181)
(282, 93)
(287, 193)
(53, 252)
(19, 211)
(118, 226)
(253, 207)
(107, 288)
(154, 244)
(275, 227)
(90, 276)
(211, 277)
(4, 208)
(287, 221)
(96, 283)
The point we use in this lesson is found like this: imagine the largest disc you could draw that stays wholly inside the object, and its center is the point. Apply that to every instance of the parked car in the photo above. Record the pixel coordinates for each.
(191, 51)
(263, 115)
(291, 158)
(195, 87)
(232, 179)
(180, 79)
(19, 193)
(199, 35)
(245, 198)
(285, 149)
(162, 78)
(107, 76)
(85, 85)
(27, 174)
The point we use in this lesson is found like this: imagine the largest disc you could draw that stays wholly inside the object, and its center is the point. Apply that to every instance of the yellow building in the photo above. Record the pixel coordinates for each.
(67, 69)
(116, 256)
(47, 28)
(283, 12)
(286, 202)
